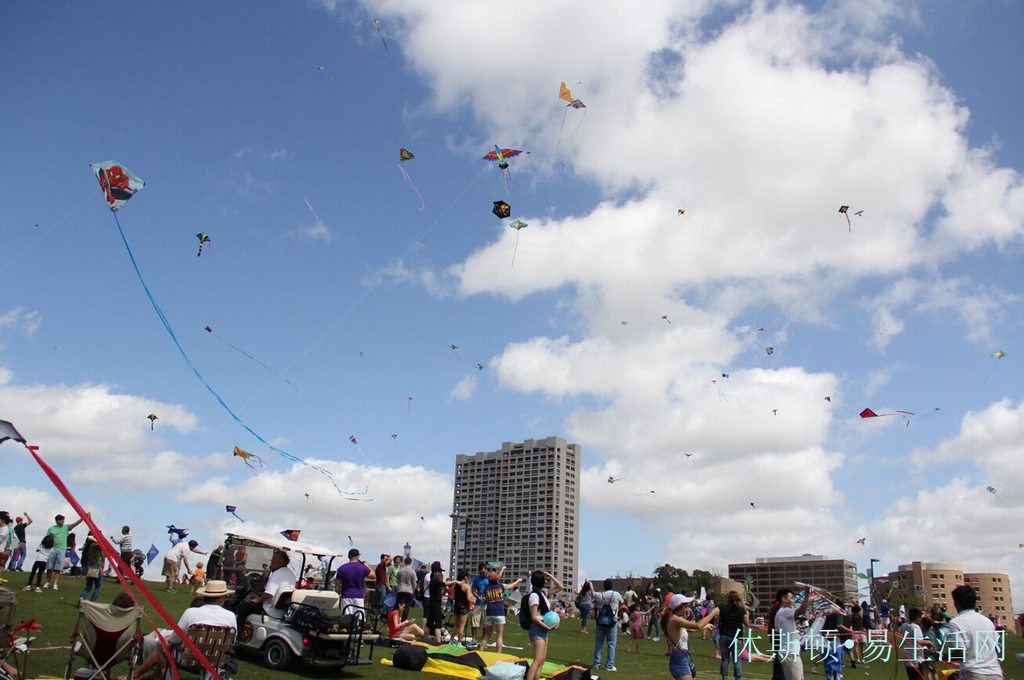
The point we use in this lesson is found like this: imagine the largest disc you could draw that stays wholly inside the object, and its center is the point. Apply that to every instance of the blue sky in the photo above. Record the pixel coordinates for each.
(759, 120)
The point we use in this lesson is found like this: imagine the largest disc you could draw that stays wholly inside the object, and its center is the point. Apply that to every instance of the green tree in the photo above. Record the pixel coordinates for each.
(672, 578)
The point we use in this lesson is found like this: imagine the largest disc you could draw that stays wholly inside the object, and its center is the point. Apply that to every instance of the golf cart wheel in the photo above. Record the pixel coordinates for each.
(277, 655)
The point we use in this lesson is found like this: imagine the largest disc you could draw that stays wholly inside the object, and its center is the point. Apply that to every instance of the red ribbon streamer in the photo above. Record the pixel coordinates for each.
(122, 568)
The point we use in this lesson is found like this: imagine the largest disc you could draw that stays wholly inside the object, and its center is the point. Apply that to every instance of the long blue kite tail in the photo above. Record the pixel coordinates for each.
(220, 400)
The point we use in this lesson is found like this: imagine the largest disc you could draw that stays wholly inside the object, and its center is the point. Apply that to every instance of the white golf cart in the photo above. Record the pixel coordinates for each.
(312, 631)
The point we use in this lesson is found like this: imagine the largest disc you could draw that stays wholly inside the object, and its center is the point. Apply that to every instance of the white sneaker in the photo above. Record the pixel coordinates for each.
(38, 589)
(46, 585)
(611, 669)
(55, 586)
(26, 589)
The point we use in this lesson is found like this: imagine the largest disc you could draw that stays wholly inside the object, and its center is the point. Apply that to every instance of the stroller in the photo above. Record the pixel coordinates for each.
(104, 636)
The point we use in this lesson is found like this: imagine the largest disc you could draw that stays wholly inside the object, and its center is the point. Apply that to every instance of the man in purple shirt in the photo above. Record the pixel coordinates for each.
(351, 581)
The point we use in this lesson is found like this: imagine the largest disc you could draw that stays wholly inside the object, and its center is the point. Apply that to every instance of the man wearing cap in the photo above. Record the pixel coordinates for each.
(18, 556)
(603, 632)
(55, 563)
(351, 579)
(173, 559)
(210, 613)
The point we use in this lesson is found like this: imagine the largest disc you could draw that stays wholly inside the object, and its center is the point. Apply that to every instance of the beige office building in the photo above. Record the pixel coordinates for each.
(519, 505)
(769, 574)
(994, 595)
(933, 582)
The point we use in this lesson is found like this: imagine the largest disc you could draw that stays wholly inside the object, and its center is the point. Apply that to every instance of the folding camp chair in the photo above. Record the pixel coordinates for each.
(215, 642)
(8, 606)
(104, 636)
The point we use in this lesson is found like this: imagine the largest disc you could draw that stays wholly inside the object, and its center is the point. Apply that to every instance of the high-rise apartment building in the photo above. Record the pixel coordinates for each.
(519, 505)
(769, 574)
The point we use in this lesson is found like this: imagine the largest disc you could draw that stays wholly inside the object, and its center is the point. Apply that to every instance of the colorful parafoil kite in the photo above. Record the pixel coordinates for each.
(117, 182)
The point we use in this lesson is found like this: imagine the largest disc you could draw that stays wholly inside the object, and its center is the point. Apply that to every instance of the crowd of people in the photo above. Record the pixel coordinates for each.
(401, 582)
(479, 603)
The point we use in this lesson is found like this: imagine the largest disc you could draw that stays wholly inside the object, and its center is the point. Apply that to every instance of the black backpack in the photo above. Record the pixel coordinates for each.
(525, 618)
(605, 615)
(410, 657)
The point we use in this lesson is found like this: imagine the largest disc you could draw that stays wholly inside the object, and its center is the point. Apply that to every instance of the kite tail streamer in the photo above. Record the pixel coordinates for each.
(408, 180)
(506, 179)
(220, 400)
(122, 569)
(515, 249)
(561, 129)
(383, 40)
(575, 130)
(246, 354)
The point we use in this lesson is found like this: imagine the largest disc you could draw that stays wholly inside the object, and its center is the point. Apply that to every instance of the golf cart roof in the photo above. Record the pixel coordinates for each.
(282, 544)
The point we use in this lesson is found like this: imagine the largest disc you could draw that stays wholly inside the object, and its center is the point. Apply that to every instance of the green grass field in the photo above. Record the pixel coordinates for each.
(57, 613)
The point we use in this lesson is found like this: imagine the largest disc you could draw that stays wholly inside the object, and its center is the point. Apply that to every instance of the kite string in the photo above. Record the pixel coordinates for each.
(46, 233)
(561, 129)
(220, 400)
(369, 291)
(573, 139)
(244, 353)
(408, 180)
(515, 249)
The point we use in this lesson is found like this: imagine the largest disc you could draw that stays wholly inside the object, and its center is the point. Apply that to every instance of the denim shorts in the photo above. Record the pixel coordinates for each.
(680, 663)
(538, 633)
(55, 562)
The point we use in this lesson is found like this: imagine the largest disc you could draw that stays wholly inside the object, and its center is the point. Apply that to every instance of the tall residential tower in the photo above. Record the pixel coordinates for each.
(519, 505)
